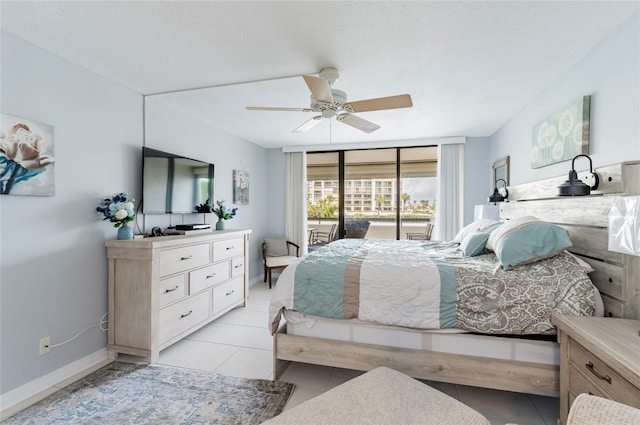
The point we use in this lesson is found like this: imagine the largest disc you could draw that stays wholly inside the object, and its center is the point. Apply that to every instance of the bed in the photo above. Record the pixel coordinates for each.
(431, 346)
(426, 285)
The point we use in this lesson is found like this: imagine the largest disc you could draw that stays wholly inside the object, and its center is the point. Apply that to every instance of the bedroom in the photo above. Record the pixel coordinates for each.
(54, 273)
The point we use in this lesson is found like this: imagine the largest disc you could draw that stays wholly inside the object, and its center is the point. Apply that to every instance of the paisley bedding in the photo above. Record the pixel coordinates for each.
(431, 285)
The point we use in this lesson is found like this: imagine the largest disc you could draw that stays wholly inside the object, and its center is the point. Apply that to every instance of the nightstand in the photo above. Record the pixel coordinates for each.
(599, 356)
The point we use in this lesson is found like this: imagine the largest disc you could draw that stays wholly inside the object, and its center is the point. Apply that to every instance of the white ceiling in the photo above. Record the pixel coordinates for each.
(469, 65)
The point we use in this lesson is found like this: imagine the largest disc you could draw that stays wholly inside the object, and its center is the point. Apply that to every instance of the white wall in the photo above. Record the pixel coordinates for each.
(610, 73)
(53, 270)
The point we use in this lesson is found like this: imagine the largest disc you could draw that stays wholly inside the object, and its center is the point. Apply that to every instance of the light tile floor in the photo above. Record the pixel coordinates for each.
(239, 344)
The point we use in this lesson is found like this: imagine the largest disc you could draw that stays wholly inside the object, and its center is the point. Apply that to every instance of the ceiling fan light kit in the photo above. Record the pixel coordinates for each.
(330, 103)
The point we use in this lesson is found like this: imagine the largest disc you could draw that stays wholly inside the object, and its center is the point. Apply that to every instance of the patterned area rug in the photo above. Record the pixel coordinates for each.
(124, 393)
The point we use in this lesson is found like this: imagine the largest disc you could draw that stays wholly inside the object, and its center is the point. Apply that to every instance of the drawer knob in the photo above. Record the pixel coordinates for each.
(182, 316)
(166, 291)
(238, 266)
(229, 293)
(210, 276)
(230, 247)
(188, 257)
(598, 375)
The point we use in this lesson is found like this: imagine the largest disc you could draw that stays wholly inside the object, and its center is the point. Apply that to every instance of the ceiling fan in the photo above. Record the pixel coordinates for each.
(330, 102)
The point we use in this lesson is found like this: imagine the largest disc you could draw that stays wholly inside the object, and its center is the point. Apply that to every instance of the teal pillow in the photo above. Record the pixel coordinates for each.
(530, 243)
(473, 244)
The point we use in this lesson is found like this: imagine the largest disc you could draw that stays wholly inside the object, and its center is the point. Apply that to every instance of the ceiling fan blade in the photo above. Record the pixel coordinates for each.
(357, 122)
(320, 88)
(267, 108)
(308, 124)
(380, 103)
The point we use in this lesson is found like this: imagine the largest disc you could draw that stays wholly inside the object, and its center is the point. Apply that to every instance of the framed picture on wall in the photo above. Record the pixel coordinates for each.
(562, 135)
(26, 157)
(240, 187)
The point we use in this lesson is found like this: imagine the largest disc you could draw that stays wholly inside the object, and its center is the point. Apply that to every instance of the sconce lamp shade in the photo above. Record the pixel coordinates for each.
(575, 186)
(499, 194)
(624, 225)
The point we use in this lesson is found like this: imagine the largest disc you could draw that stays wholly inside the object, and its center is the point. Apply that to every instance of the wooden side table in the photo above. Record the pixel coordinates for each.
(598, 356)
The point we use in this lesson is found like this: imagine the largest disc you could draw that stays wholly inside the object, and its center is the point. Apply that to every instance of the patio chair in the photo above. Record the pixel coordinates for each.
(426, 236)
(323, 238)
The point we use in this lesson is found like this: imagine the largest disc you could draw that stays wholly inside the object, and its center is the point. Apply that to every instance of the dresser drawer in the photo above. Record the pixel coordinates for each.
(181, 259)
(223, 250)
(602, 377)
(208, 276)
(227, 294)
(237, 266)
(183, 315)
(172, 289)
(579, 384)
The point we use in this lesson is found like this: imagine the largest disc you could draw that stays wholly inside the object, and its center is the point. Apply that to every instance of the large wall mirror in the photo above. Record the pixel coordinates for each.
(500, 170)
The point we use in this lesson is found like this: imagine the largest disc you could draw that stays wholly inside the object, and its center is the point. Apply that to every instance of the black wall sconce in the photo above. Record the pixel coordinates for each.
(575, 186)
(499, 194)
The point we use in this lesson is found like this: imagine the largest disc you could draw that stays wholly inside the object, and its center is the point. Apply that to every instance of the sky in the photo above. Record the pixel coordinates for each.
(421, 188)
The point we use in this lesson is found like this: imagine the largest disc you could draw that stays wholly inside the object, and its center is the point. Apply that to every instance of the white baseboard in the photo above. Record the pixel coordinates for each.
(30, 393)
(255, 280)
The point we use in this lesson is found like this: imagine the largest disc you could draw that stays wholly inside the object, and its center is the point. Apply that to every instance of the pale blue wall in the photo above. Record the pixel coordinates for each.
(276, 202)
(477, 175)
(53, 267)
(610, 73)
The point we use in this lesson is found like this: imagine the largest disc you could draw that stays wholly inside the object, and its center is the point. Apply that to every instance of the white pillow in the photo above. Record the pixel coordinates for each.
(506, 228)
(476, 226)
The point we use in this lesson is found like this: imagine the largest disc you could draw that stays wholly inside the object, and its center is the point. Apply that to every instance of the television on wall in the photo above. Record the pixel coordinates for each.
(173, 184)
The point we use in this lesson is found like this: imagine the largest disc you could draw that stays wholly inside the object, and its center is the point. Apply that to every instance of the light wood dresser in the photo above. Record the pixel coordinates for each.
(598, 356)
(164, 288)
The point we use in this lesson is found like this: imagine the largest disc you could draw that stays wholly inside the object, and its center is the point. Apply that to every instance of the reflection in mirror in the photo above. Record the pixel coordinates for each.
(174, 184)
(500, 170)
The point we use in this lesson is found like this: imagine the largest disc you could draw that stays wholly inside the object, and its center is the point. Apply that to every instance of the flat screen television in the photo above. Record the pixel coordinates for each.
(174, 184)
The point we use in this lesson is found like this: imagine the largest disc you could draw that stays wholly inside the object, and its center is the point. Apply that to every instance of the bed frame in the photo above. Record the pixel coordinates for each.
(617, 276)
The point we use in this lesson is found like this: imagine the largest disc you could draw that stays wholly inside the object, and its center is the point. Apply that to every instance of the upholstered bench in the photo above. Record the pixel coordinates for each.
(380, 396)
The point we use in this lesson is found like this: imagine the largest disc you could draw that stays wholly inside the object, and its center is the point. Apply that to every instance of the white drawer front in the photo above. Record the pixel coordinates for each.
(237, 266)
(206, 277)
(181, 316)
(172, 289)
(227, 294)
(182, 259)
(223, 250)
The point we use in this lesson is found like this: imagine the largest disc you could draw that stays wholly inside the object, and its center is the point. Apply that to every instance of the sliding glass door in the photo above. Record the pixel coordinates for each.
(371, 193)
(418, 167)
(323, 197)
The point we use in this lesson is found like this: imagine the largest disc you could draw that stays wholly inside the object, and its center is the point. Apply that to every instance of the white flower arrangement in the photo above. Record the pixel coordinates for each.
(119, 209)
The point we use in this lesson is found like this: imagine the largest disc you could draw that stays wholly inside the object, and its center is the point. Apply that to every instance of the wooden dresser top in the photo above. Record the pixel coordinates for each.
(614, 341)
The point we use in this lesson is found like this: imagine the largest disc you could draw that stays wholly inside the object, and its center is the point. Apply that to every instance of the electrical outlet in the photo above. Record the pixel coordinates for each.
(45, 345)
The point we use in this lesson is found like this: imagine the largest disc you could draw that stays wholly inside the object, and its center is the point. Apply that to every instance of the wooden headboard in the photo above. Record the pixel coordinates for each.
(616, 275)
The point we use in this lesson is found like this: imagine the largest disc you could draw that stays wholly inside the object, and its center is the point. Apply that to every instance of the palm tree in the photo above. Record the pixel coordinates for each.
(405, 199)
(425, 205)
(379, 199)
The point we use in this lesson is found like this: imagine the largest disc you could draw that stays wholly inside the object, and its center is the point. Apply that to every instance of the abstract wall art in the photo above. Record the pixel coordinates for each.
(562, 135)
(240, 187)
